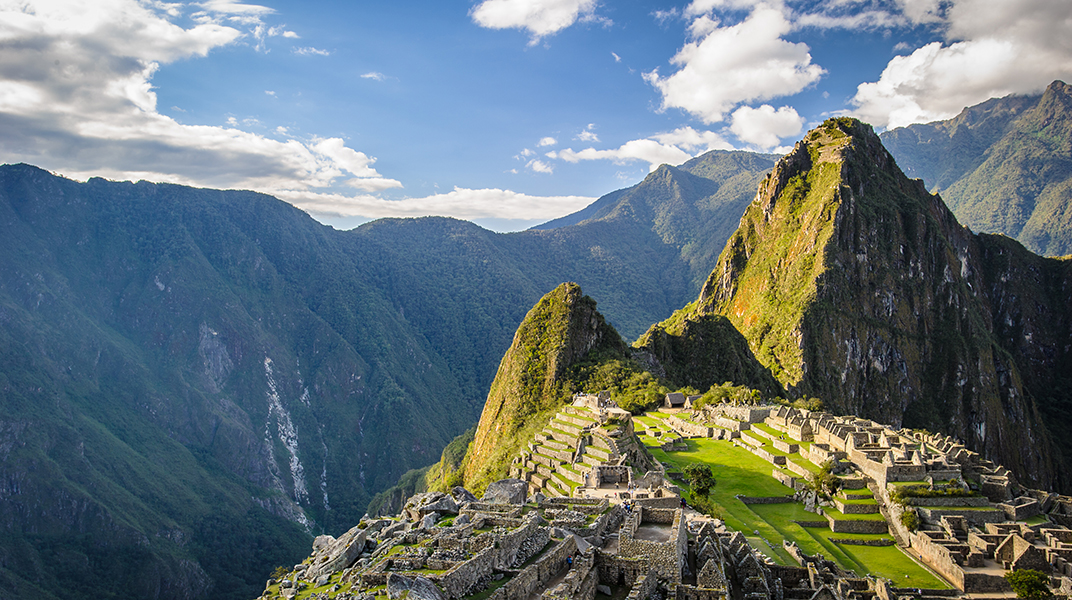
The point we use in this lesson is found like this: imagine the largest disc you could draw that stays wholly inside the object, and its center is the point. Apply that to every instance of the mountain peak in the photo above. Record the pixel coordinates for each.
(560, 330)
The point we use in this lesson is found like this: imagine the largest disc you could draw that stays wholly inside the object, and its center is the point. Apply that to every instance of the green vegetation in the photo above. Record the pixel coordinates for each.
(738, 471)
(699, 477)
(1001, 166)
(1029, 584)
(910, 519)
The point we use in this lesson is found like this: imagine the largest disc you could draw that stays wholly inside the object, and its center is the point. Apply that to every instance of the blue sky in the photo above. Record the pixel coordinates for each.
(504, 112)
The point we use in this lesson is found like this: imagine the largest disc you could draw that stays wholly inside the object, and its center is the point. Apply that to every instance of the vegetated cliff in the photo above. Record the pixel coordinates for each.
(699, 351)
(1003, 166)
(563, 328)
(854, 284)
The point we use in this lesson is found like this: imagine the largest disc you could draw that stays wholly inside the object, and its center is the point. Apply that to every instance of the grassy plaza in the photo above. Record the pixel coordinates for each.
(739, 472)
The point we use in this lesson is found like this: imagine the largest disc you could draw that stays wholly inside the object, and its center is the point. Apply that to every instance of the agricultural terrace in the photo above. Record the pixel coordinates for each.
(738, 471)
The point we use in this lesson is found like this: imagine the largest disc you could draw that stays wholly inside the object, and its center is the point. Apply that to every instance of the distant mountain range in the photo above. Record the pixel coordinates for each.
(847, 282)
(1003, 166)
(194, 381)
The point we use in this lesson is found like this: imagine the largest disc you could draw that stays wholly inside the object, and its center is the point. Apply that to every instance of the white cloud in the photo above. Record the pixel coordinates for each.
(587, 135)
(374, 75)
(546, 141)
(310, 51)
(689, 139)
(270, 93)
(460, 203)
(672, 148)
(764, 127)
(76, 97)
(647, 150)
(992, 48)
(727, 65)
(540, 17)
(540, 167)
(291, 35)
(616, 57)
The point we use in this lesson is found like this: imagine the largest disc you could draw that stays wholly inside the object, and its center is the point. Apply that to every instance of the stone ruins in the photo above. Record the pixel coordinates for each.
(589, 511)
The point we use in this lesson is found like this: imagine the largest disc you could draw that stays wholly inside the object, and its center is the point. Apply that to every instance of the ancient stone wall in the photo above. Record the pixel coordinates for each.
(690, 592)
(766, 500)
(658, 515)
(461, 580)
(950, 501)
(538, 573)
(856, 526)
(687, 429)
(620, 570)
(643, 587)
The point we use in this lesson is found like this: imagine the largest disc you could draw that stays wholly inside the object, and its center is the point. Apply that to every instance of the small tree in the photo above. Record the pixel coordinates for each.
(910, 519)
(699, 477)
(825, 481)
(1029, 584)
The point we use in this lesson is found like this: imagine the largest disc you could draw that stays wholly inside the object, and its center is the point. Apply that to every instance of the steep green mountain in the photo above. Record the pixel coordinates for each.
(1003, 166)
(849, 282)
(532, 384)
(193, 381)
(853, 284)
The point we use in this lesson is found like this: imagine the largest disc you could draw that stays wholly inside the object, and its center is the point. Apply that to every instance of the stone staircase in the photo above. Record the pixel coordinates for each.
(559, 457)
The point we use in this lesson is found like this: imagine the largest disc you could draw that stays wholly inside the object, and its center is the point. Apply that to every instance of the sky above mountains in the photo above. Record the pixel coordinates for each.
(504, 112)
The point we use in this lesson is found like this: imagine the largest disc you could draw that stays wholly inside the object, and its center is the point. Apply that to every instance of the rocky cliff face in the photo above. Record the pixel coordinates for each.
(562, 329)
(854, 284)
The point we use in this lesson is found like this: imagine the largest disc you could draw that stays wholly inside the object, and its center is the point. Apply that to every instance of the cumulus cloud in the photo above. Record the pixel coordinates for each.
(689, 139)
(547, 141)
(672, 148)
(374, 75)
(728, 65)
(461, 203)
(76, 97)
(647, 150)
(540, 17)
(991, 48)
(764, 127)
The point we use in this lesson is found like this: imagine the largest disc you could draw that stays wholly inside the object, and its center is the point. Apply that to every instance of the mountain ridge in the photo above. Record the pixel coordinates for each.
(1003, 166)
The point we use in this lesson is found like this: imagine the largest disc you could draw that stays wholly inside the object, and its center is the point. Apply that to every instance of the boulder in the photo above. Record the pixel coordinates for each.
(337, 555)
(506, 491)
(462, 495)
(446, 504)
(421, 504)
(419, 588)
(538, 497)
(429, 520)
(603, 589)
(462, 520)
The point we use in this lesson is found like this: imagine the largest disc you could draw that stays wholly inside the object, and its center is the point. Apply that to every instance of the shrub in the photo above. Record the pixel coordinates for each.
(825, 482)
(1029, 584)
(910, 519)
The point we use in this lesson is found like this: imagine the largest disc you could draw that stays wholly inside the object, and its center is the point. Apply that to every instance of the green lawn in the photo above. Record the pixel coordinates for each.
(738, 471)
